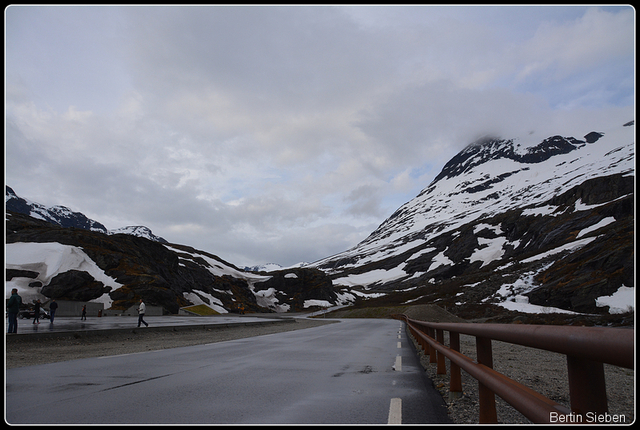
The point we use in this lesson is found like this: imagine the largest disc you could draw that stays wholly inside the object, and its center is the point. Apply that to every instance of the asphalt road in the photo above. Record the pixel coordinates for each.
(358, 371)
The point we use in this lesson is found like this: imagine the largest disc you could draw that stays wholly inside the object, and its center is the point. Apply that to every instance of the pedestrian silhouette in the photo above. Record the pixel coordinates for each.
(141, 310)
(36, 313)
(84, 313)
(13, 309)
(52, 309)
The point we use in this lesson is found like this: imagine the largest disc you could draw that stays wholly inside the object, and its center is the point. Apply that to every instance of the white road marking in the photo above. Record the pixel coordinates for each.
(398, 366)
(399, 345)
(395, 411)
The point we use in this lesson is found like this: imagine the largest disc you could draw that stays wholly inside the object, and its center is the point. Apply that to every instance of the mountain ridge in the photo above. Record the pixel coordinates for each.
(65, 217)
(504, 229)
(492, 207)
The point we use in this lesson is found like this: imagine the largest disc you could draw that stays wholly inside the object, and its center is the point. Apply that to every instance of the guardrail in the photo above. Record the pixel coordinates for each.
(586, 348)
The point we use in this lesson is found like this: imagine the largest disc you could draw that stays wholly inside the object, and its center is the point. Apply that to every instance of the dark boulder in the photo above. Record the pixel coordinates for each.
(74, 285)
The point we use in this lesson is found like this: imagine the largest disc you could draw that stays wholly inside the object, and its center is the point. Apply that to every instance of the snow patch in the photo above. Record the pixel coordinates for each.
(196, 299)
(372, 277)
(50, 259)
(314, 302)
(493, 251)
(620, 302)
(602, 223)
(267, 299)
(440, 260)
(567, 247)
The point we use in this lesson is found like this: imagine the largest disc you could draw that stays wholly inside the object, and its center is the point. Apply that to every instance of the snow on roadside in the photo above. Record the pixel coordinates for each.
(50, 259)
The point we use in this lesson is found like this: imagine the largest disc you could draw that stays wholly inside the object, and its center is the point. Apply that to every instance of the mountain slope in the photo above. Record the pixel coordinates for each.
(65, 217)
(44, 261)
(59, 215)
(505, 227)
(550, 224)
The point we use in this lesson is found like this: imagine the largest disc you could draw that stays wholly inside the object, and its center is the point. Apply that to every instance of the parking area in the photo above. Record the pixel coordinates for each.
(62, 325)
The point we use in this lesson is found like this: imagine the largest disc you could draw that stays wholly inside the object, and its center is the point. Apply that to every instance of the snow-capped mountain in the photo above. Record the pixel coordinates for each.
(44, 261)
(113, 267)
(272, 267)
(65, 217)
(269, 267)
(59, 215)
(500, 218)
(139, 231)
(537, 227)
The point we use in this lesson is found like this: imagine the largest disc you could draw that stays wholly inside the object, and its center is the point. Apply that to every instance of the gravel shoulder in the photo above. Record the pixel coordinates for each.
(31, 351)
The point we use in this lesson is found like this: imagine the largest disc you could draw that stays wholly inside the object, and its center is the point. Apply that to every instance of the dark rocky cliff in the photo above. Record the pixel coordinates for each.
(150, 270)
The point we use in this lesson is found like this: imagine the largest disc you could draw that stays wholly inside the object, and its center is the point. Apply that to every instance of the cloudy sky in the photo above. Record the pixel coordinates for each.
(288, 134)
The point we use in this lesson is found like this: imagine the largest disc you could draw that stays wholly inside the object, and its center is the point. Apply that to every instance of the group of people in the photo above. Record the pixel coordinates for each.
(15, 302)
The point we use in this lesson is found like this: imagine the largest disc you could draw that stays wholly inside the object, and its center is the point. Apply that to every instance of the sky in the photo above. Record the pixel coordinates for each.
(286, 134)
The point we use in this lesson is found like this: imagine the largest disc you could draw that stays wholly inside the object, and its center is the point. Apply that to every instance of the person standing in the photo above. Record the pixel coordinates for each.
(13, 308)
(36, 313)
(52, 309)
(141, 310)
(84, 313)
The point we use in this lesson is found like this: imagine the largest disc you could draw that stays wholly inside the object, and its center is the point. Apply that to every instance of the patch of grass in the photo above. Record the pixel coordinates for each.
(420, 312)
(202, 310)
(373, 312)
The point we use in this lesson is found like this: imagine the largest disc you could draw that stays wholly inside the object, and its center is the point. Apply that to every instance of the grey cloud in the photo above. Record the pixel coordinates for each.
(284, 133)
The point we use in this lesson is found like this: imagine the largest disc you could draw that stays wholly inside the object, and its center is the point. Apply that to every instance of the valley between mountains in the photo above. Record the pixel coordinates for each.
(510, 230)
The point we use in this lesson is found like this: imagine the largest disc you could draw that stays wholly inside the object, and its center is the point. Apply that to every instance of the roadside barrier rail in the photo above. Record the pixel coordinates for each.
(586, 349)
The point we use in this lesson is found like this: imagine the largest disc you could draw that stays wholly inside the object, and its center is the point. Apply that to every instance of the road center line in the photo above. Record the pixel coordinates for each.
(398, 366)
(395, 411)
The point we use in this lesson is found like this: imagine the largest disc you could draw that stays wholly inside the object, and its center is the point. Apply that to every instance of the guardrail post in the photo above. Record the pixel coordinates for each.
(442, 366)
(586, 386)
(432, 350)
(418, 339)
(486, 397)
(455, 380)
(423, 344)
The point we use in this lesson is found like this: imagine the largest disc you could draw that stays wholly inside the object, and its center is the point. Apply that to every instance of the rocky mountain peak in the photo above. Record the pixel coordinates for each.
(139, 231)
(497, 207)
(492, 148)
(64, 217)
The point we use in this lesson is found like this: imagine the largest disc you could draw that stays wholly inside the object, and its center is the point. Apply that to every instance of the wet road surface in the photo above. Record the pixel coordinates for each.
(360, 371)
(75, 324)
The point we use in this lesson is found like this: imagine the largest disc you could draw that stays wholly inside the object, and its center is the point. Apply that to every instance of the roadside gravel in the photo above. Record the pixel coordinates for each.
(31, 350)
(542, 371)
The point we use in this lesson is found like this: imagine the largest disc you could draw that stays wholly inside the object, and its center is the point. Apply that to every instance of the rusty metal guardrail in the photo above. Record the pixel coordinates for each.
(586, 349)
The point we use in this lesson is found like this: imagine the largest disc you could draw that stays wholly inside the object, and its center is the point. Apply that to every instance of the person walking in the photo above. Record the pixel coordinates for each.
(13, 308)
(52, 309)
(84, 313)
(141, 310)
(36, 313)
